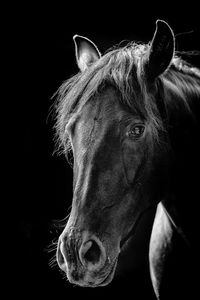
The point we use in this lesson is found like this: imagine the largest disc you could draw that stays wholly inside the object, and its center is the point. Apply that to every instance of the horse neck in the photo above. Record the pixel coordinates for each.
(184, 125)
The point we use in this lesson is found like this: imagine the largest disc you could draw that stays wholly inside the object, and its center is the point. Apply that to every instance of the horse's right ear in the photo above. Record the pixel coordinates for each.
(86, 52)
(161, 50)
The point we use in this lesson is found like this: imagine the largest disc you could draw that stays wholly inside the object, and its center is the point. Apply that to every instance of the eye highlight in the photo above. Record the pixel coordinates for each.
(135, 131)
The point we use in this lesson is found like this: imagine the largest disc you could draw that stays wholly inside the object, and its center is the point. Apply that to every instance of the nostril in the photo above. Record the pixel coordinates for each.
(93, 252)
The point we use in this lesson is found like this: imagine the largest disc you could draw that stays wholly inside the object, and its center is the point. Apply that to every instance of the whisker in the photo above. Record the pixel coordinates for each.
(53, 261)
(59, 224)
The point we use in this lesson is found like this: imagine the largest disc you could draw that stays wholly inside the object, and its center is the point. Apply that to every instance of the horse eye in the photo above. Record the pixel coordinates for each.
(136, 131)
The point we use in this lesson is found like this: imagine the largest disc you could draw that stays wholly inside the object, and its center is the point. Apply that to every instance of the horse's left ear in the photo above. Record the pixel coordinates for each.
(86, 52)
(161, 50)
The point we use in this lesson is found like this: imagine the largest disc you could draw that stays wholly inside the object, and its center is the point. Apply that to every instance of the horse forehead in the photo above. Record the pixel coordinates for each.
(103, 109)
(98, 123)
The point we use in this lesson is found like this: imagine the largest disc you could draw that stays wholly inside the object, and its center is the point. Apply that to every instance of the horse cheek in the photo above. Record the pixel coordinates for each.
(131, 159)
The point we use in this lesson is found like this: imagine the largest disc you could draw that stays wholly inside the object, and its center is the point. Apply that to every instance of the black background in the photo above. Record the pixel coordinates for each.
(41, 53)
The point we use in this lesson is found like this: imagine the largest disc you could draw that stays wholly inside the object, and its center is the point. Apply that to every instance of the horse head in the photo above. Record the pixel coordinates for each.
(116, 134)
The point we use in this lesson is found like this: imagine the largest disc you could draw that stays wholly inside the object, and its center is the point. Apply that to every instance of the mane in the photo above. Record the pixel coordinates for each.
(122, 68)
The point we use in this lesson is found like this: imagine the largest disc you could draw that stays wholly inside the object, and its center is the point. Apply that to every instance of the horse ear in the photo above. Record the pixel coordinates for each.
(86, 52)
(161, 50)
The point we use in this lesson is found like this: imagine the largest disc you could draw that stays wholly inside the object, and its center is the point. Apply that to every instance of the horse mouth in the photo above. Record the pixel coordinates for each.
(109, 275)
(95, 279)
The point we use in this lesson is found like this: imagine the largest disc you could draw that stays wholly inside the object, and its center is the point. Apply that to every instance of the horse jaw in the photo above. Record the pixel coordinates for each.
(160, 247)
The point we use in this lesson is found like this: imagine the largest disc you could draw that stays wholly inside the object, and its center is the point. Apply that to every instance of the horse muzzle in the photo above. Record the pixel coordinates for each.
(82, 256)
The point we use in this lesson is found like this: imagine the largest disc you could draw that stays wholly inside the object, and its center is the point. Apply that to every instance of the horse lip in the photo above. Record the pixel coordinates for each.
(110, 274)
(98, 281)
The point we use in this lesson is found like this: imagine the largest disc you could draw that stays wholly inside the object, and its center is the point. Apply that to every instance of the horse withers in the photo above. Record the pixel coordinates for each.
(130, 118)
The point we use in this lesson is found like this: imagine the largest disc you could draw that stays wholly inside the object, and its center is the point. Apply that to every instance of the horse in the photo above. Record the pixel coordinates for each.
(130, 118)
